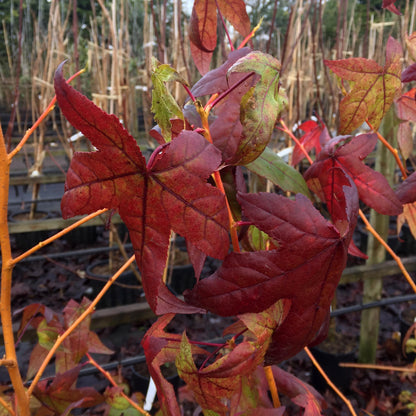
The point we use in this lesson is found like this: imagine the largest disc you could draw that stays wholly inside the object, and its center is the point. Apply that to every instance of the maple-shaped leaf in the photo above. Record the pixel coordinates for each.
(373, 87)
(406, 105)
(260, 106)
(164, 105)
(305, 268)
(60, 393)
(315, 134)
(275, 169)
(161, 347)
(389, 5)
(405, 139)
(203, 27)
(170, 193)
(347, 153)
(299, 392)
(406, 191)
(218, 381)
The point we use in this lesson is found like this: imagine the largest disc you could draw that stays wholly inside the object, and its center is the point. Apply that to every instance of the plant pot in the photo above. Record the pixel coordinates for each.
(82, 235)
(25, 241)
(329, 355)
(407, 319)
(125, 290)
(182, 276)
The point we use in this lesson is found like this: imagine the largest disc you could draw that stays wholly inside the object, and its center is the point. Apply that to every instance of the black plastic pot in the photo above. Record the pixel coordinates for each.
(82, 235)
(26, 240)
(340, 376)
(125, 290)
(183, 278)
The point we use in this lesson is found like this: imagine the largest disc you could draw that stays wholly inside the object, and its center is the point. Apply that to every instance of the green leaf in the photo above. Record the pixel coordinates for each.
(275, 169)
(164, 105)
(261, 106)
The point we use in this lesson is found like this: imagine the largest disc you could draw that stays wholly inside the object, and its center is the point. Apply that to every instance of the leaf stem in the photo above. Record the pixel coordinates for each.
(272, 386)
(294, 138)
(225, 27)
(395, 257)
(391, 149)
(330, 383)
(78, 321)
(250, 35)
(217, 176)
(107, 375)
(187, 89)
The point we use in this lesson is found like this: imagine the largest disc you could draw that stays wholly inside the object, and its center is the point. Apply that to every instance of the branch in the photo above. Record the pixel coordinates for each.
(77, 322)
(330, 383)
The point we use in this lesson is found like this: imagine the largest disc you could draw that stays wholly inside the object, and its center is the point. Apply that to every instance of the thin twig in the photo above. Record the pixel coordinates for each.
(107, 375)
(395, 257)
(379, 367)
(75, 324)
(330, 383)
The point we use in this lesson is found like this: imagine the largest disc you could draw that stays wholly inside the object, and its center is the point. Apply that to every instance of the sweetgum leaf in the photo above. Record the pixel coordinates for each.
(161, 347)
(170, 193)
(311, 256)
(219, 380)
(275, 169)
(60, 393)
(260, 107)
(406, 105)
(299, 392)
(164, 105)
(389, 5)
(373, 87)
(311, 139)
(203, 27)
(406, 191)
(347, 154)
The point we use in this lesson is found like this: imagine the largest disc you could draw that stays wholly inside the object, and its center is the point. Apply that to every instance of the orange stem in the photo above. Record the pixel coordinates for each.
(272, 386)
(295, 139)
(29, 132)
(330, 383)
(389, 250)
(77, 322)
(217, 176)
(22, 398)
(379, 367)
(391, 149)
(56, 236)
(107, 375)
(7, 407)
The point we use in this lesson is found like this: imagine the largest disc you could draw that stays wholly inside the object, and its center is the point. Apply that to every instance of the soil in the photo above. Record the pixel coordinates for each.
(53, 281)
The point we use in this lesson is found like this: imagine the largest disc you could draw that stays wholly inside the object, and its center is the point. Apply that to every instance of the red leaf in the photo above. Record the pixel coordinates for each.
(161, 347)
(60, 393)
(347, 153)
(409, 74)
(406, 106)
(373, 88)
(299, 392)
(311, 256)
(203, 27)
(406, 191)
(170, 193)
(311, 139)
(389, 5)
